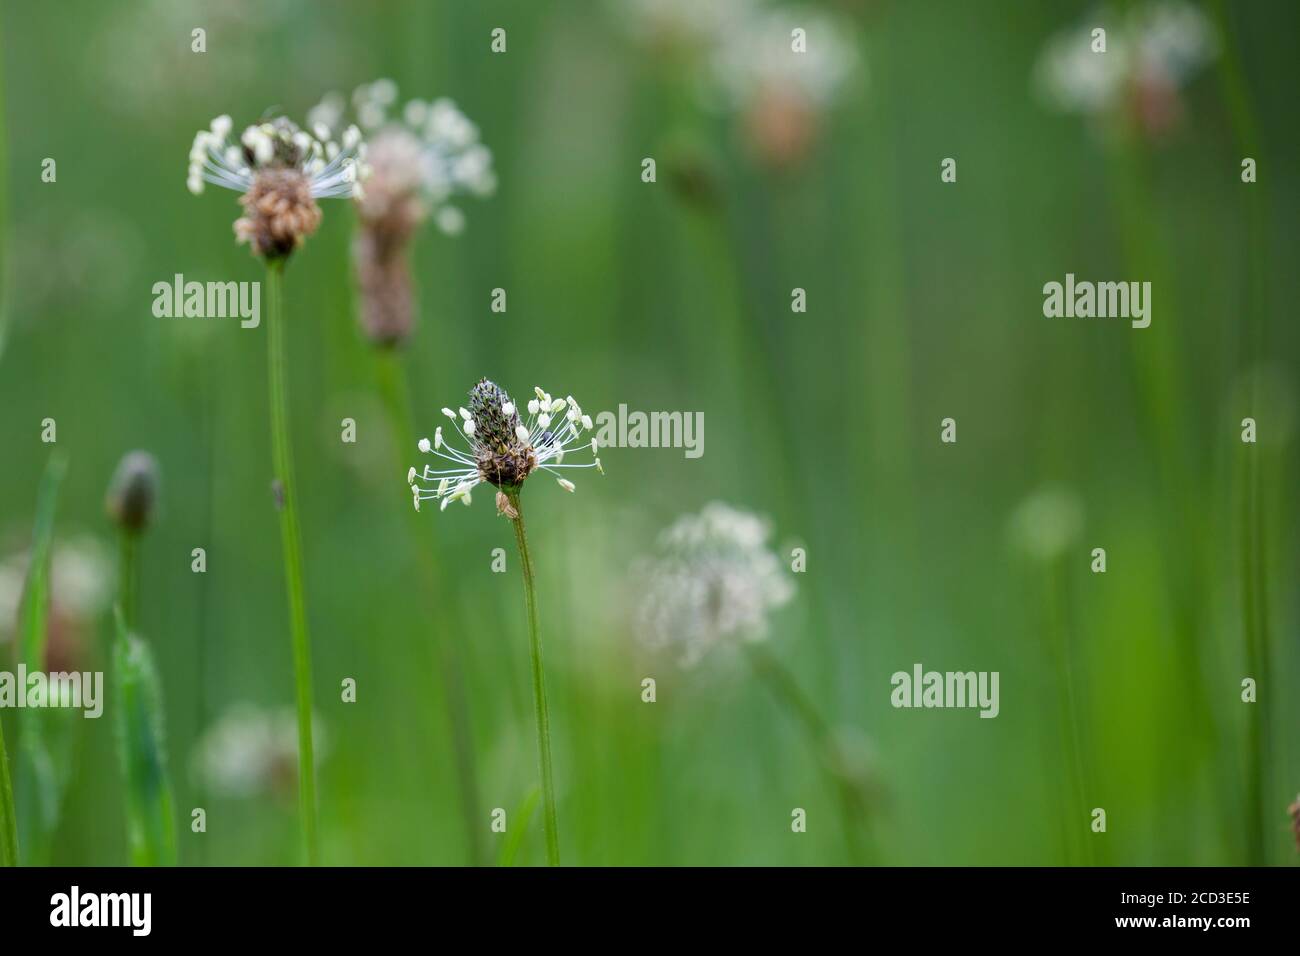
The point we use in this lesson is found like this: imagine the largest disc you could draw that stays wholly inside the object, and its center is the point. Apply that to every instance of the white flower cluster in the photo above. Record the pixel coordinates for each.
(1160, 44)
(553, 428)
(713, 581)
(757, 57)
(427, 148)
(251, 751)
(332, 169)
(81, 582)
(747, 47)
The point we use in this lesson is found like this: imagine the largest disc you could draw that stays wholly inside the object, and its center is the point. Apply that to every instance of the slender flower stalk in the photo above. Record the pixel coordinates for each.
(1254, 551)
(138, 710)
(504, 449)
(421, 157)
(280, 171)
(290, 539)
(540, 710)
(711, 587)
(396, 395)
(8, 819)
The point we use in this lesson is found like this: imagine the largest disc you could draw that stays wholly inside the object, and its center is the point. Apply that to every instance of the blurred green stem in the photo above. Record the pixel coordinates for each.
(289, 535)
(786, 690)
(1077, 787)
(126, 578)
(1254, 560)
(396, 395)
(539, 684)
(8, 819)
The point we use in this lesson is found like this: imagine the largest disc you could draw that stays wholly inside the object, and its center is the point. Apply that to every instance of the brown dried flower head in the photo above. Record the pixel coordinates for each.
(281, 171)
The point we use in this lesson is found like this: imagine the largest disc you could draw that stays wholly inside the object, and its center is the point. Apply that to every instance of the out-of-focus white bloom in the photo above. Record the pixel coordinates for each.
(713, 580)
(756, 57)
(504, 446)
(680, 24)
(331, 169)
(1047, 522)
(425, 151)
(1151, 53)
(81, 582)
(250, 751)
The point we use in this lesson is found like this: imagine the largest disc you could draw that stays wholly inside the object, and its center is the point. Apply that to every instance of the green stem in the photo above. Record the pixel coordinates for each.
(1069, 703)
(289, 536)
(396, 395)
(539, 685)
(1254, 574)
(8, 818)
(126, 578)
(788, 692)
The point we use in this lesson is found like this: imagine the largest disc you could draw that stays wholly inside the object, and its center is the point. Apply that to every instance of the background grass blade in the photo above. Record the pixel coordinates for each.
(40, 778)
(518, 828)
(138, 710)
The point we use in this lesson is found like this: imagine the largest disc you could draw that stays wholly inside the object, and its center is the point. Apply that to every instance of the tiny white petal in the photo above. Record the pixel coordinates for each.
(508, 409)
(557, 405)
(437, 437)
(424, 445)
(464, 414)
(469, 429)
(586, 422)
(449, 413)
(544, 420)
(521, 433)
(533, 406)
(565, 484)
(410, 476)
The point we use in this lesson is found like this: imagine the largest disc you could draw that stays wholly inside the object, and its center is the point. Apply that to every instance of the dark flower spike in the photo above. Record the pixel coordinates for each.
(504, 447)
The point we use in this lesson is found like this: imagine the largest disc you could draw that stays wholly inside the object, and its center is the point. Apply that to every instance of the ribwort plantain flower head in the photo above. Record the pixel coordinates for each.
(280, 171)
(503, 446)
(1152, 52)
(250, 752)
(713, 581)
(421, 157)
(782, 94)
(422, 154)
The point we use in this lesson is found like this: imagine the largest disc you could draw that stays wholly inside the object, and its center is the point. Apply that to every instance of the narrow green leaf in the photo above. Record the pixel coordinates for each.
(138, 714)
(38, 793)
(515, 834)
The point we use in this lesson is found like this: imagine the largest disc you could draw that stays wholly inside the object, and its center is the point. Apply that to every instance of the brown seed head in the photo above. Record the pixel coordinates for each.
(279, 212)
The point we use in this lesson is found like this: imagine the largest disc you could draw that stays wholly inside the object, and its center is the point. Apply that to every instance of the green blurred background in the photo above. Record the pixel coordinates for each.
(924, 301)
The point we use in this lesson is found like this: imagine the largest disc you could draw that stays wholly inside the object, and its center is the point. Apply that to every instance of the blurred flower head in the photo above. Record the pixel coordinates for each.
(1046, 523)
(1294, 810)
(281, 171)
(1151, 55)
(251, 751)
(504, 448)
(81, 587)
(679, 27)
(782, 86)
(133, 491)
(421, 156)
(712, 581)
